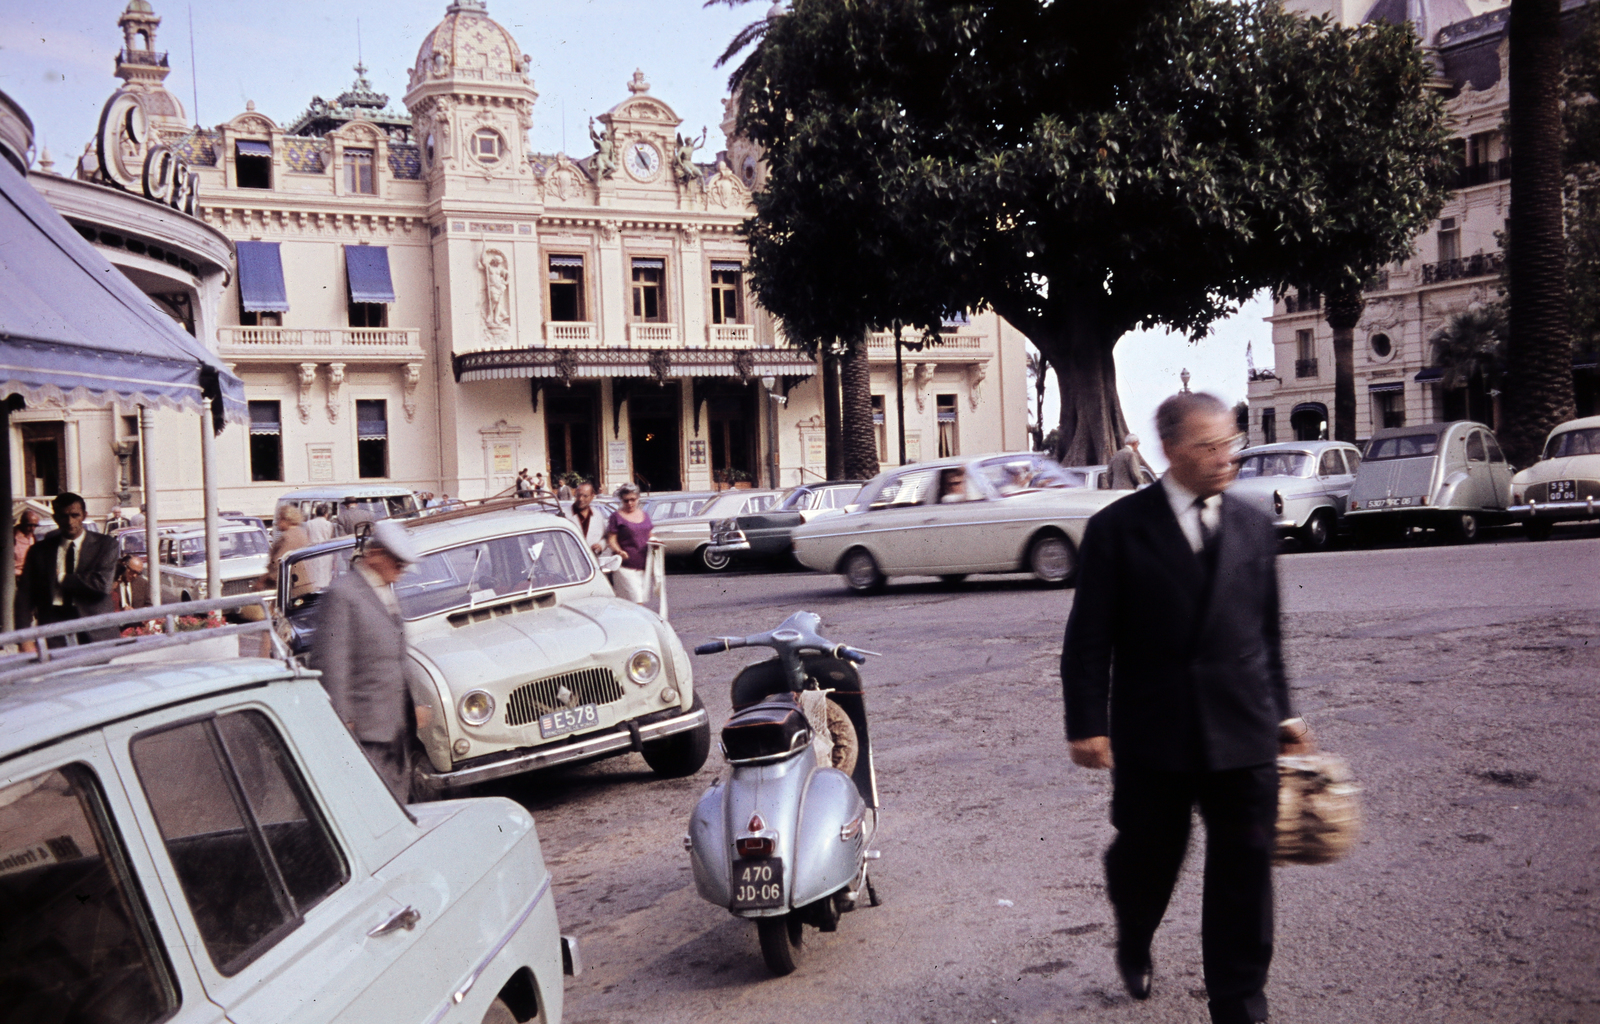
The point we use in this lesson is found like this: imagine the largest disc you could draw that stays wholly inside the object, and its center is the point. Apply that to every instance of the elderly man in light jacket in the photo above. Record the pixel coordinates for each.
(591, 523)
(360, 649)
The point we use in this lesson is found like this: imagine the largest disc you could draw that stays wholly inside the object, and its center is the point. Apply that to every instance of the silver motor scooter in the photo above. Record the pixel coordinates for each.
(785, 837)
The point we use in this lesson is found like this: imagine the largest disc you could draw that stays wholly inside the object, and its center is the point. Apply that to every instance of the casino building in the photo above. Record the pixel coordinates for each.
(415, 297)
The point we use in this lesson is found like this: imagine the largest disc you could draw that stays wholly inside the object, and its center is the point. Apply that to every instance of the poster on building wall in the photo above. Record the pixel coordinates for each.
(816, 447)
(319, 457)
(616, 458)
(913, 446)
(504, 459)
(697, 453)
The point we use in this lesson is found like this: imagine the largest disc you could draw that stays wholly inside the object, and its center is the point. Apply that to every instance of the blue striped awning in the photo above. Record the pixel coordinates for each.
(367, 269)
(1429, 374)
(261, 287)
(1388, 385)
(251, 147)
(367, 430)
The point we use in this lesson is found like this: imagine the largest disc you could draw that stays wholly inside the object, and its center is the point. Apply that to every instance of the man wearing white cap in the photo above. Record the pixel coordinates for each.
(360, 649)
(1124, 465)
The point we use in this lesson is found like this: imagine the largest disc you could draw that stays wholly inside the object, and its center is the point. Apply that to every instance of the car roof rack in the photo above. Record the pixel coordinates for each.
(17, 665)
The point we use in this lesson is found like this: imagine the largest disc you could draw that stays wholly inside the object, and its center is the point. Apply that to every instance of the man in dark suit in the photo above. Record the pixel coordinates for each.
(360, 649)
(1173, 679)
(70, 574)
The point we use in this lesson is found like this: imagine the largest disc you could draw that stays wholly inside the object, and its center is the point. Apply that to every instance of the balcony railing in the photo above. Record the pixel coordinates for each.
(1483, 264)
(652, 335)
(1482, 174)
(570, 333)
(1301, 302)
(146, 57)
(880, 343)
(730, 335)
(1305, 368)
(1378, 282)
(345, 342)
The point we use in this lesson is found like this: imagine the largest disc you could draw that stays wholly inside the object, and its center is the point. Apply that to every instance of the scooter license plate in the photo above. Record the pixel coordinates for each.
(757, 884)
(559, 723)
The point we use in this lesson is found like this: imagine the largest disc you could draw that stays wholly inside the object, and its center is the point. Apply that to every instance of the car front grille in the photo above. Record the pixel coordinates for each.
(586, 686)
(244, 586)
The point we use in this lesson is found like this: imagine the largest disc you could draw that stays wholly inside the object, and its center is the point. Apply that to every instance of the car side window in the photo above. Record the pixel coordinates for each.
(1353, 457)
(905, 489)
(1331, 464)
(1493, 446)
(1475, 450)
(76, 940)
(245, 840)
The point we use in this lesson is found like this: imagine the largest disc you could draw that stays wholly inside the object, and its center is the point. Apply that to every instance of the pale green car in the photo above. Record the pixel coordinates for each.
(1564, 485)
(522, 657)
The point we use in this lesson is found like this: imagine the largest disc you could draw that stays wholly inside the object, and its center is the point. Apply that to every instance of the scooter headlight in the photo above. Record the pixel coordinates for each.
(477, 707)
(644, 666)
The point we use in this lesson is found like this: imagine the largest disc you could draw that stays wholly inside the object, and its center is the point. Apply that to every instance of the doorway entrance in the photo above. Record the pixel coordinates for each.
(1309, 421)
(654, 413)
(44, 458)
(571, 424)
(731, 420)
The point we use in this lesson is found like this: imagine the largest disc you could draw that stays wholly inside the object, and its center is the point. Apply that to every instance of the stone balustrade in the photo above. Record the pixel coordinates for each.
(345, 343)
(730, 336)
(571, 333)
(648, 335)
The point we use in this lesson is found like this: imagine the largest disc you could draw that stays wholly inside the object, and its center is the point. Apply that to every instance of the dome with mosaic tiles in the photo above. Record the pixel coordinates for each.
(468, 44)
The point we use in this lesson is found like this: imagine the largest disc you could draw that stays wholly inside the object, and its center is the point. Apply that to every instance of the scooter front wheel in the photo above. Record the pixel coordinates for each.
(782, 942)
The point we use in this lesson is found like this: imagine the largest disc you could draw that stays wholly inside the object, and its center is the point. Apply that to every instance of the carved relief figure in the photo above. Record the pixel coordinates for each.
(725, 189)
(496, 290)
(683, 157)
(605, 150)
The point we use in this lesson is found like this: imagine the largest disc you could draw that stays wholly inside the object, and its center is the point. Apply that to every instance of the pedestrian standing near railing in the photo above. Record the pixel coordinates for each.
(70, 574)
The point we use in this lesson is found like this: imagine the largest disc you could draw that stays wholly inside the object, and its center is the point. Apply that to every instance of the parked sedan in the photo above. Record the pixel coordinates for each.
(769, 534)
(241, 547)
(689, 537)
(1302, 485)
(1448, 476)
(1564, 484)
(947, 518)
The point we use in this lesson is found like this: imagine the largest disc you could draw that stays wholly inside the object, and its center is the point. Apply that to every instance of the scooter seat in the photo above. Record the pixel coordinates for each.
(772, 729)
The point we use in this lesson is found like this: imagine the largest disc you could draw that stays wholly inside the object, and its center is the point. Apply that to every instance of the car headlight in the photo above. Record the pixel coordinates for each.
(644, 666)
(477, 707)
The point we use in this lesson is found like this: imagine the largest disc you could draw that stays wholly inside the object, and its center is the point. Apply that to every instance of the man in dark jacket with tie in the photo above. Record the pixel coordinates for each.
(71, 574)
(360, 649)
(1173, 679)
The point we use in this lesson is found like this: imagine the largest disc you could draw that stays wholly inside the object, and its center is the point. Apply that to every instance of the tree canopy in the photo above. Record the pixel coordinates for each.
(1082, 168)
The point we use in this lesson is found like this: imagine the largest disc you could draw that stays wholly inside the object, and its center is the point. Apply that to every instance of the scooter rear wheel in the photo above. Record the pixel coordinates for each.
(782, 942)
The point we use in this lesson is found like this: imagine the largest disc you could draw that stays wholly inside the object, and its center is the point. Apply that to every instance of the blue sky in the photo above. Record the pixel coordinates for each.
(56, 60)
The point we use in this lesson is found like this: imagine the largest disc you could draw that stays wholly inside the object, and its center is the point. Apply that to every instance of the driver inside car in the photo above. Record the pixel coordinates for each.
(952, 485)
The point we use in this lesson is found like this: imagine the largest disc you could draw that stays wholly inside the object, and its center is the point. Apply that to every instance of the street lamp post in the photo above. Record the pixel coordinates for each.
(1184, 376)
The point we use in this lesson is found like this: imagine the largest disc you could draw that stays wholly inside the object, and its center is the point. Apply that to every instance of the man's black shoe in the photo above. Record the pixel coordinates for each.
(1134, 965)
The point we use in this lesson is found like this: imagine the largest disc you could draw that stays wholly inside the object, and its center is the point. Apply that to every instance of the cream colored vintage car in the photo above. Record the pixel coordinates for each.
(906, 523)
(1564, 485)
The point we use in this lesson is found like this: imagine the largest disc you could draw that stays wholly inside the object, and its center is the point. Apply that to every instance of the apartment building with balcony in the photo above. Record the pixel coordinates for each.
(1457, 263)
(415, 297)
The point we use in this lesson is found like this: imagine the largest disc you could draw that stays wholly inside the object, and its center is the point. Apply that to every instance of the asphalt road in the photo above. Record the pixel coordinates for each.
(1462, 683)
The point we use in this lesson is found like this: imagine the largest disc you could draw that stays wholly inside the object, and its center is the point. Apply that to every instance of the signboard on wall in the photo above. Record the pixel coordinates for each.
(816, 446)
(503, 458)
(697, 453)
(913, 446)
(319, 457)
(616, 458)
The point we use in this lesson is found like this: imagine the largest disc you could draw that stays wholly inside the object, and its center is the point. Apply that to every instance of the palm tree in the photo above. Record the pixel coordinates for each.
(750, 35)
(1539, 349)
(1038, 369)
(1471, 350)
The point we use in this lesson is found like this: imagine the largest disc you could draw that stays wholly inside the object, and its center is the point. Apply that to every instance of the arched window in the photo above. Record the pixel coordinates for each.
(1309, 421)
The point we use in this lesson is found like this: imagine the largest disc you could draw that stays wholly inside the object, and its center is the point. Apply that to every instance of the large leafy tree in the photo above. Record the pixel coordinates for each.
(1539, 343)
(1082, 168)
(1581, 167)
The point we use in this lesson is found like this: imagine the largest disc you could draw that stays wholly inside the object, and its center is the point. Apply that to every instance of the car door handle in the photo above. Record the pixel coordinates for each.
(406, 919)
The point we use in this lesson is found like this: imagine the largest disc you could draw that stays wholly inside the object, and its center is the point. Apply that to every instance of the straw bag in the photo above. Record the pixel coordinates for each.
(1319, 816)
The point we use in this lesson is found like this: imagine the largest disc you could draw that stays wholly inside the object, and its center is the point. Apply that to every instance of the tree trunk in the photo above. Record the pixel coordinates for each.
(1092, 425)
(830, 416)
(1039, 382)
(1539, 345)
(860, 444)
(1344, 312)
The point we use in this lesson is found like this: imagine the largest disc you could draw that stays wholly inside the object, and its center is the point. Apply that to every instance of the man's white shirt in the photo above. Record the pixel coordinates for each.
(61, 564)
(1183, 506)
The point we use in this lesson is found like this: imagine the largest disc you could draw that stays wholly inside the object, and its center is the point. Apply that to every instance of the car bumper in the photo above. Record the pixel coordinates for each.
(627, 736)
(1558, 511)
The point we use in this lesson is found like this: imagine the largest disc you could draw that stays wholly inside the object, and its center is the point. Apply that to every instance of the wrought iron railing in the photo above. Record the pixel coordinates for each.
(1483, 264)
(1305, 368)
(146, 57)
(1301, 302)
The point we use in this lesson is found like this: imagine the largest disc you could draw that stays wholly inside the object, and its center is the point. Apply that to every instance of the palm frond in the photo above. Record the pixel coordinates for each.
(751, 33)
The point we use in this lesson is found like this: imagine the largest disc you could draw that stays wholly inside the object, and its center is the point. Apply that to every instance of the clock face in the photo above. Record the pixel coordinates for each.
(642, 160)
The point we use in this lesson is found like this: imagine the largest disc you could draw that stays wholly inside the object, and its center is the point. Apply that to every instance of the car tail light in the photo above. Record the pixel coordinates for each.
(1354, 503)
(755, 846)
(1424, 499)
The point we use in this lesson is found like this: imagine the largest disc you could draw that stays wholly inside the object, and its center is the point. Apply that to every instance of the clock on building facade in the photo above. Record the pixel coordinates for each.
(642, 161)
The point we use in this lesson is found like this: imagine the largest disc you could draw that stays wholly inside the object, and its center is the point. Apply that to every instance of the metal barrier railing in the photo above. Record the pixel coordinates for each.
(43, 659)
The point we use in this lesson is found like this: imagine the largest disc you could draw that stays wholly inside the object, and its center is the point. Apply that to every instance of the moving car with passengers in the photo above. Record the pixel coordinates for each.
(1302, 485)
(521, 655)
(382, 500)
(242, 549)
(1450, 477)
(949, 518)
(768, 535)
(688, 538)
(192, 842)
(1564, 485)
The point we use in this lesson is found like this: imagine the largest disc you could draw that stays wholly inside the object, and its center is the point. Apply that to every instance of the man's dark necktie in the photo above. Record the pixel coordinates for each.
(72, 558)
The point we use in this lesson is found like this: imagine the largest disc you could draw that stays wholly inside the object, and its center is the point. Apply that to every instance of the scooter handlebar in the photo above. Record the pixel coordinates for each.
(850, 654)
(720, 644)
